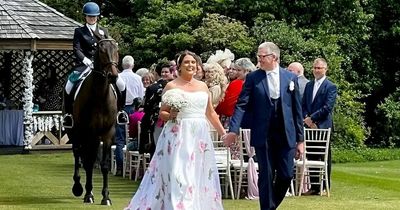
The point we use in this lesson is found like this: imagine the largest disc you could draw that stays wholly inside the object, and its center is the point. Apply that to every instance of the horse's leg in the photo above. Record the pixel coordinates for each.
(105, 170)
(77, 189)
(88, 164)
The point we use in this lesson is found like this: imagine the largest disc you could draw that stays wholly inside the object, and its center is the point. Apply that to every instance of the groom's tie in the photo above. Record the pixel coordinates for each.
(272, 85)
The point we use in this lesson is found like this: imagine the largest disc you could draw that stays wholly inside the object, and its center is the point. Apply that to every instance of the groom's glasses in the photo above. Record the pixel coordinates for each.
(263, 56)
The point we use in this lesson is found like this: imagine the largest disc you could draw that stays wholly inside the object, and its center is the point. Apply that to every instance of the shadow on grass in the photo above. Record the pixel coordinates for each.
(24, 200)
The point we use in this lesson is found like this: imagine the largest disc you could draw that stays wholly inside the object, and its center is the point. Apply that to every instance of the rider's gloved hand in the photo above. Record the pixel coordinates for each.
(87, 62)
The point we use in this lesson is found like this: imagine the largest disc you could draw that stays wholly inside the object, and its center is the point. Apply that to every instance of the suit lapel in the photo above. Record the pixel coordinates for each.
(283, 81)
(264, 82)
(310, 93)
(320, 89)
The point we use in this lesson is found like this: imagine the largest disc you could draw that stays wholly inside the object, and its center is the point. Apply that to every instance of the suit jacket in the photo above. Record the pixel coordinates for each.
(320, 110)
(302, 84)
(85, 44)
(255, 97)
(151, 108)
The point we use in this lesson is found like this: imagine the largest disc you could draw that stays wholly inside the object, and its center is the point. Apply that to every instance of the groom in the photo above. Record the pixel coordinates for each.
(272, 94)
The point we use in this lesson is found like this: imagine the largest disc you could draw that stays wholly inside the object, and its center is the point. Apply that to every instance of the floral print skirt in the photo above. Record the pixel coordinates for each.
(182, 173)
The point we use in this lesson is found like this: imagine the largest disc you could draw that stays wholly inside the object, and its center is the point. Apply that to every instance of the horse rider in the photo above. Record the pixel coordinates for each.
(85, 43)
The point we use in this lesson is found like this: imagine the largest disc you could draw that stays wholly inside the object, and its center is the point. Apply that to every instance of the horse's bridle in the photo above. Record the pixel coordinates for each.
(110, 62)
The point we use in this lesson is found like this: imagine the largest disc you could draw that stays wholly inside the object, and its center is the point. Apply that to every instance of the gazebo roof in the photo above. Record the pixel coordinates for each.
(31, 24)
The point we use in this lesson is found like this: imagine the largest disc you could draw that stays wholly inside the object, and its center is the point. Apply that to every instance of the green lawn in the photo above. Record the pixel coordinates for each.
(43, 181)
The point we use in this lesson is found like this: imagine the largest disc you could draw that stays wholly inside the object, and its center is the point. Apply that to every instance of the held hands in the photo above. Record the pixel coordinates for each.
(229, 139)
(299, 151)
(87, 62)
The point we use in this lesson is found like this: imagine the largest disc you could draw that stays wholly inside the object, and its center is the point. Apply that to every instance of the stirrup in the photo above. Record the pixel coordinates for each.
(66, 116)
(124, 115)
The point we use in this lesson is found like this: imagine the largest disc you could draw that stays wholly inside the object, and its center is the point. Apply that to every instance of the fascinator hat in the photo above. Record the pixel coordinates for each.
(223, 58)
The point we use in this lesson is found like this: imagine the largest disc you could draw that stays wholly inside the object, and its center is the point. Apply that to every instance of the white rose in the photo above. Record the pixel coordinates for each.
(101, 32)
(291, 86)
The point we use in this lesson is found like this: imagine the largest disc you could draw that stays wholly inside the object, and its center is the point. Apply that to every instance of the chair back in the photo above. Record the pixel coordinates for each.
(316, 143)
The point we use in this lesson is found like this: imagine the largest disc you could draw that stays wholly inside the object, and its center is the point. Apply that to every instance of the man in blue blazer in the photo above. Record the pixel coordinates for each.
(318, 101)
(272, 94)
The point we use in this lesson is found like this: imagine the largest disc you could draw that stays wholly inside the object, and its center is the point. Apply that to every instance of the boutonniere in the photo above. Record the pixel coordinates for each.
(291, 86)
(101, 32)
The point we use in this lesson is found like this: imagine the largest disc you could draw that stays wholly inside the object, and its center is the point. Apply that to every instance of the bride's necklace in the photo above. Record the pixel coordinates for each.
(186, 81)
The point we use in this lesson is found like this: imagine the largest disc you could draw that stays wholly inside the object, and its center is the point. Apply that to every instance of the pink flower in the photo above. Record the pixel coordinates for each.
(217, 196)
(190, 189)
(192, 157)
(203, 146)
(175, 129)
(180, 206)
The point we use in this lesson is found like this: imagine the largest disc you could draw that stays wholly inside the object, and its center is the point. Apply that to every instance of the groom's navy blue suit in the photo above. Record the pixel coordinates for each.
(276, 127)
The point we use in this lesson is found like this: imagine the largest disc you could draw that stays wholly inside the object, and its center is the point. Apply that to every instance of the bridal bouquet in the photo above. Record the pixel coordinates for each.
(176, 100)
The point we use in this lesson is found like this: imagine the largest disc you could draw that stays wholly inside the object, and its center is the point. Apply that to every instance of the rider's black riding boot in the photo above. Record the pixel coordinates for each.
(122, 116)
(68, 121)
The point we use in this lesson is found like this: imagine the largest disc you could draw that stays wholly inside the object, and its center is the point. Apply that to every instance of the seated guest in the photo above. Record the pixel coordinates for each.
(135, 117)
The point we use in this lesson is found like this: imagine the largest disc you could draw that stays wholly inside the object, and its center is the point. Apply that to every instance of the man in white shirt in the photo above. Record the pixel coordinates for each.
(134, 89)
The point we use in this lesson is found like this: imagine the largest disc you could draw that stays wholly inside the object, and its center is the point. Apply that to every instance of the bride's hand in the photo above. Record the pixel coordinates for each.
(229, 139)
(173, 113)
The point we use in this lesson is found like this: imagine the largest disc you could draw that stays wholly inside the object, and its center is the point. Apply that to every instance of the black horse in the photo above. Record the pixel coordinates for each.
(94, 114)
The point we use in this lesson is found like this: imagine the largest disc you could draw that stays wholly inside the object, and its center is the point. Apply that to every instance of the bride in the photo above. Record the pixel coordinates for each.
(183, 173)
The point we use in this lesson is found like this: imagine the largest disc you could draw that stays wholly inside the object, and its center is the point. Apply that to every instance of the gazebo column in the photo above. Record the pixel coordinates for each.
(27, 99)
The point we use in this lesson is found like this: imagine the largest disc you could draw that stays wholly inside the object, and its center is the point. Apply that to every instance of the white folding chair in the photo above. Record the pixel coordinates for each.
(242, 177)
(222, 157)
(315, 159)
(136, 160)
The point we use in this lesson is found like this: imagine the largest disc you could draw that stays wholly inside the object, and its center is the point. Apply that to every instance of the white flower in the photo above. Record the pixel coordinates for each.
(291, 86)
(101, 32)
(176, 100)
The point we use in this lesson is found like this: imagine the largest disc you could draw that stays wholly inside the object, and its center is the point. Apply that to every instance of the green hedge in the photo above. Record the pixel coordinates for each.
(364, 155)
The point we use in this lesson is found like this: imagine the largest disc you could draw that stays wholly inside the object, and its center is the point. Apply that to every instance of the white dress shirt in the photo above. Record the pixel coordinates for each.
(273, 83)
(317, 84)
(134, 85)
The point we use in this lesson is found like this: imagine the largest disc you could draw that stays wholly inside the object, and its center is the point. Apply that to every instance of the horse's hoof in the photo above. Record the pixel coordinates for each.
(77, 189)
(88, 198)
(106, 202)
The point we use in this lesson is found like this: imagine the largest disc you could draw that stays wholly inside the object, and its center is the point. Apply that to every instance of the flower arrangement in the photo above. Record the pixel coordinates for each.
(174, 99)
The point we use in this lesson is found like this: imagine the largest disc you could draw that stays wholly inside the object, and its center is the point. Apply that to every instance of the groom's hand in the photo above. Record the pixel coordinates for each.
(229, 139)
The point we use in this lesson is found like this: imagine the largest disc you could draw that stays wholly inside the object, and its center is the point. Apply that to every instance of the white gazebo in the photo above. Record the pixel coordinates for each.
(35, 39)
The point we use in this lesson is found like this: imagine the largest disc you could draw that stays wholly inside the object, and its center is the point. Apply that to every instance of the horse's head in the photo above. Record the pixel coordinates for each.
(107, 54)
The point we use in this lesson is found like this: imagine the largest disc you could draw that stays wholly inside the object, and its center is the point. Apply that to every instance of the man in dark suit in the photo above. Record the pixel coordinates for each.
(318, 102)
(85, 43)
(151, 108)
(272, 94)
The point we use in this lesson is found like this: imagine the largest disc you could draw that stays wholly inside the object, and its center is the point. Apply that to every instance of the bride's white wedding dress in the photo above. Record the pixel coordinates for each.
(183, 172)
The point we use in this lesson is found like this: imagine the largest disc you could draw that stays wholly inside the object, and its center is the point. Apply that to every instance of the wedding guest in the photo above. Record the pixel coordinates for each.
(199, 70)
(142, 71)
(183, 173)
(216, 82)
(298, 69)
(148, 79)
(318, 103)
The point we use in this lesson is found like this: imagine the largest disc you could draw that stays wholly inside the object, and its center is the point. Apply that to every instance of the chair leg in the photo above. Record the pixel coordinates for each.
(301, 181)
(138, 167)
